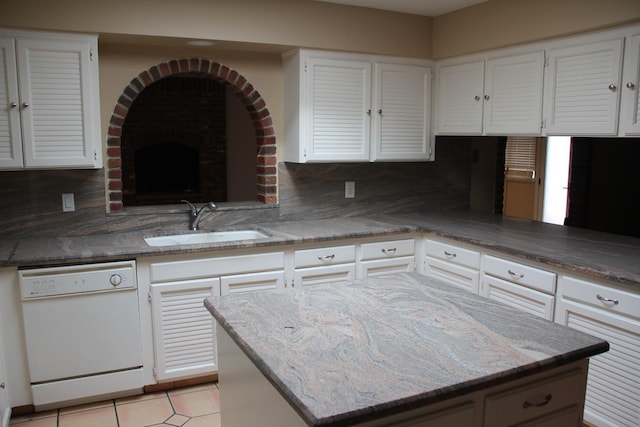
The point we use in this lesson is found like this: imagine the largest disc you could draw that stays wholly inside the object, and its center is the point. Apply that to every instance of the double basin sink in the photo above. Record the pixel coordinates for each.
(205, 237)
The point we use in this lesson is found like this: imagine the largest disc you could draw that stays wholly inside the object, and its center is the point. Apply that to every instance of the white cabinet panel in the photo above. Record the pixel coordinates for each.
(386, 266)
(339, 98)
(251, 282)
(402, 112)
(582, 86)
(183, 329)
(513, 95)
(463, 277)
(10, 132)
(460, 94)
(5, 407)
(518, 296)
(521, 274)
(326, 274)
(630, 103)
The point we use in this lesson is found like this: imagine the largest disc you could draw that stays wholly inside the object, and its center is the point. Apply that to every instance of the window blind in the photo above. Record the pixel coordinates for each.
(520, 157)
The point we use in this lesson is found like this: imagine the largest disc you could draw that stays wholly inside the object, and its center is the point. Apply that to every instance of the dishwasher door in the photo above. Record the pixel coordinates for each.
(82, 328)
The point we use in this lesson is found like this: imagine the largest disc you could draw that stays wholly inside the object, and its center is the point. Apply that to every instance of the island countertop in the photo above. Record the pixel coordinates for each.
(353, 351)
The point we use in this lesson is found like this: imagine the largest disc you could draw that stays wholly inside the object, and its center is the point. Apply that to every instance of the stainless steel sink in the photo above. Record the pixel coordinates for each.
(206, 237)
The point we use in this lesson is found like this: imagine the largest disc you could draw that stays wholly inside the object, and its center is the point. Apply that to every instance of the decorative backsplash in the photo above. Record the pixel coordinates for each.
(31, 200)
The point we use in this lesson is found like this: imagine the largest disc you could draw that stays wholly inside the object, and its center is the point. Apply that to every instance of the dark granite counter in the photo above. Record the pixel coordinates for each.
(601, 255)
(328, 348)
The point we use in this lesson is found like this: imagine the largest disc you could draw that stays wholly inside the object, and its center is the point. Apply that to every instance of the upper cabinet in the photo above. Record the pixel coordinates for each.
(50, 101)
(582, 89)
(492, 96)
(630, 120)
(355, 108)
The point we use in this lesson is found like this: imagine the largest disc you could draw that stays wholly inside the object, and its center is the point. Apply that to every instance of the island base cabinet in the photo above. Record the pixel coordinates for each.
(553, 398)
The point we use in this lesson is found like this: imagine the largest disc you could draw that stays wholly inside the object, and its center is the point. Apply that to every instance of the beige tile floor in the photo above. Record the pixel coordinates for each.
(195, 406)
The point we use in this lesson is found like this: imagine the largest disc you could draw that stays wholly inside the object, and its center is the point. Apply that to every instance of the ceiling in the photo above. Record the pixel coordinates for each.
(416, 7)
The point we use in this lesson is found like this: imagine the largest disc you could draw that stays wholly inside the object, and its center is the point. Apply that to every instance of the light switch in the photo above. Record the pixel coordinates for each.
(68, 202)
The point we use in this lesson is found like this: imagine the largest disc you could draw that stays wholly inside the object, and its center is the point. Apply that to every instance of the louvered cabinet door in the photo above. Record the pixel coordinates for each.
(10, 137)
(460, 94)
(59, 103)
(337, 121)
(401, 112)
(630, 103)
(613, 384)
(183, 329)
(582, 89)
(513, 95)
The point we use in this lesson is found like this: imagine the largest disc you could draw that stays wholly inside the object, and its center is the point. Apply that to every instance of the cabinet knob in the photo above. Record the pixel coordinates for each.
(2, 385)
(486, 97)
(477, 98)
(368, 112)
(631, 86)
(25, 105)
(612, 87)
(13, 105)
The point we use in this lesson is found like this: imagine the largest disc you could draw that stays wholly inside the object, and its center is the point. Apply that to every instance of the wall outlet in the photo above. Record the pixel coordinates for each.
(68, 202)
(349, 189)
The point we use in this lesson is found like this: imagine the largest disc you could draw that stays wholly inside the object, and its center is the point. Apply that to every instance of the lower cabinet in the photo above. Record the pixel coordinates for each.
(183, 333)
(453, 264)
(324, 265)
(613, 314)
(379, 258)
(521, 286)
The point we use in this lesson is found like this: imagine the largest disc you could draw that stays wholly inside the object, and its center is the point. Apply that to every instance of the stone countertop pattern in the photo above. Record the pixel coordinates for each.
(328, 348)
(597, 254)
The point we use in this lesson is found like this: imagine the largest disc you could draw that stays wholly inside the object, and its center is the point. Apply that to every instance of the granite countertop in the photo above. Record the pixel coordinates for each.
(328, 348)
(597, 254)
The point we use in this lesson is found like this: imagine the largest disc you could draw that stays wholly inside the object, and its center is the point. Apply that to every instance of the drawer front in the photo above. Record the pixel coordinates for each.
(520, 297)
(381, 267)
(163, 271)
(462, 277)
(251, 282)
(521, 274)
(324, 256)
(381, 250)
(327, 274)
(535, 400)
(604, 297)
(453, 254)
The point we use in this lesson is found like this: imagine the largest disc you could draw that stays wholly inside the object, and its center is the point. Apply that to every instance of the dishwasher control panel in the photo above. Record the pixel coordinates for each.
(77, 279)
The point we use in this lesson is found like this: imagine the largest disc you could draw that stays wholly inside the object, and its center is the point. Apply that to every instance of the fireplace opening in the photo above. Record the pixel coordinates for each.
(175, 144)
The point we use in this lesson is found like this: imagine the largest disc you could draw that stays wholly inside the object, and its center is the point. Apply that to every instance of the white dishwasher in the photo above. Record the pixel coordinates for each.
(82, 329)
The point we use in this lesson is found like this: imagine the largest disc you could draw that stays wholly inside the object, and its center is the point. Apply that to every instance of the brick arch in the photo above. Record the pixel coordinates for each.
(250, 97)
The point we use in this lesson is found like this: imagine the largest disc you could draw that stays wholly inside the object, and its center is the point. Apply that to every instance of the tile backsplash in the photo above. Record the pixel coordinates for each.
(31, 203)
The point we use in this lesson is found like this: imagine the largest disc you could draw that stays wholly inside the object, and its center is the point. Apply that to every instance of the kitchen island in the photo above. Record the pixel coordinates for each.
(396, 350)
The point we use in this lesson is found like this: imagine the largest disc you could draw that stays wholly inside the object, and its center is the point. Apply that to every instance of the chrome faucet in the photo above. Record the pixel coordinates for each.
(196, 215)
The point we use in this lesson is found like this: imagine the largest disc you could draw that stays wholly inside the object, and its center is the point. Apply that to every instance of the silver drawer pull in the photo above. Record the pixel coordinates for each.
(514, 274)
(389, 251)
(327, 257)
(451, 254)
(546, 401)
(609, 300)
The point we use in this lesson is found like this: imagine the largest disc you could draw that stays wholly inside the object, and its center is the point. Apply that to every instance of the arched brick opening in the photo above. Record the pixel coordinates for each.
(250, 97)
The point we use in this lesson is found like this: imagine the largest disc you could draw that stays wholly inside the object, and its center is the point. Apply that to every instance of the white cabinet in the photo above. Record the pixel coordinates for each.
(453, 264)
(183, 331)
(324, 265)
(582, 89)
(178, 331)
(49, 101)
(492, 96)
(630, 102)
(355, 108)
(379, 258)
(521, 286)
(612, 314)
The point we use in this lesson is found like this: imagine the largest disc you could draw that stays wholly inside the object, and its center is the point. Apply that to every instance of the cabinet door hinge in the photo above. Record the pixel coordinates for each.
(95, 155)
(306, 67)
(149, 296)
(90, 54)
(543, 124)
(546, 60)
(155, 372)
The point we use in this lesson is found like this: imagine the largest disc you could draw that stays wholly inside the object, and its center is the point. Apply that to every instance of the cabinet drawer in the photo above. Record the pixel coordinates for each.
(457, 275)
(162, 271)
(519, 273)
(535, 400)
(326, 274)
(604, 297)
(521, 297)
(453, 254)
(380, 267)
(324, 256)
(394, 248)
